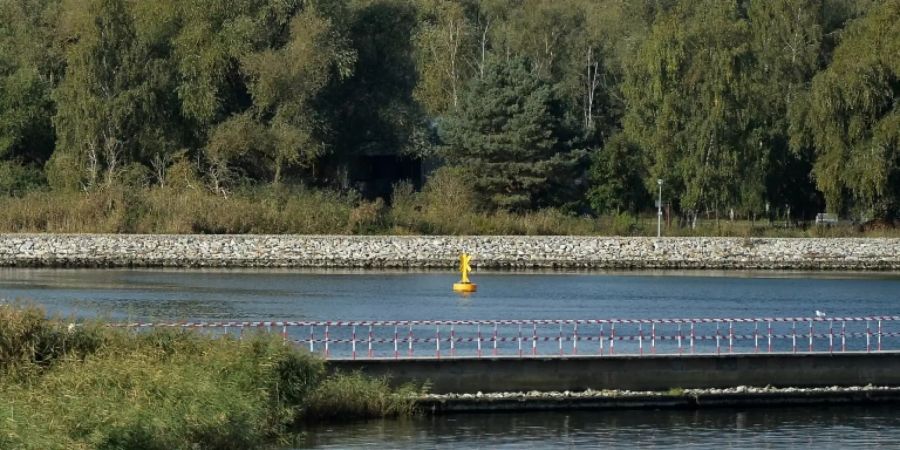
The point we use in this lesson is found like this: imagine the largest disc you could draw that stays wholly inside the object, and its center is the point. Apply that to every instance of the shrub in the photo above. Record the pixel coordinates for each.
(353, 396)
(28, 340)
(95, 387)
(17, 179)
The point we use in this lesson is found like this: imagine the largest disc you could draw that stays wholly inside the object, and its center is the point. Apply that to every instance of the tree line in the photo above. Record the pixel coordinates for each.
(747, 107)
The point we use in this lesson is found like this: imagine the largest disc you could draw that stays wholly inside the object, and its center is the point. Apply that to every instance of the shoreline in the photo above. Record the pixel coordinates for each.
(442, 252)
(741, 396)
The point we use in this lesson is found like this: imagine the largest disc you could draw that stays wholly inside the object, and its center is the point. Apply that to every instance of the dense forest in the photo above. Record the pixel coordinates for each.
(743, 108)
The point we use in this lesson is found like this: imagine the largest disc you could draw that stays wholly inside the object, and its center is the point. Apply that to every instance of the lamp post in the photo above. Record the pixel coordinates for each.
(659, 181)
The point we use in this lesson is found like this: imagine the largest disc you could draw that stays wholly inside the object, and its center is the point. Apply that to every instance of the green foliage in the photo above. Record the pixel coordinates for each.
(508, 136)
(94, 387)
(688, 109)
(616, 184)
(284, 83)
(675, 392)
(30, 66)
(853, 118)
(744, 105)
(448, 204)
(28, 340)
(110, 104)
(179, 208)
(17, 179)
(446, 54)
(372, 111)
(787, 43)
(354, 396)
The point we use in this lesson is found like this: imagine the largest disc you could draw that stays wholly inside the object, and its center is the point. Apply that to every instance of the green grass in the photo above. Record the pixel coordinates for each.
(675, 392)
(348, 396)
(94, 387)
(444, 206)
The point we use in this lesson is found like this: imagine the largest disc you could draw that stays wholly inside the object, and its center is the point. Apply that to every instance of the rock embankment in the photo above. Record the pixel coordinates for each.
(740, 396)
(570, 252)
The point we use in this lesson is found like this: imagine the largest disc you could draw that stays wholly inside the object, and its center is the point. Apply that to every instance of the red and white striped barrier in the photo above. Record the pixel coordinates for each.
(525, 338)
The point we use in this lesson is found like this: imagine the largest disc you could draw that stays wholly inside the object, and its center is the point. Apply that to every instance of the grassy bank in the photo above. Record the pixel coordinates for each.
(443, 206)
(93, 387)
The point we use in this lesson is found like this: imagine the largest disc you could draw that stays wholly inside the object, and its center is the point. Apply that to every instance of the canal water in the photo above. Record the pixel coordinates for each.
(309, 295)
(332, 295)
(844, 427)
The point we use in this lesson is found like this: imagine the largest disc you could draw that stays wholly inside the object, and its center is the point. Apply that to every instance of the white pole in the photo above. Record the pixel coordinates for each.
(659, 210)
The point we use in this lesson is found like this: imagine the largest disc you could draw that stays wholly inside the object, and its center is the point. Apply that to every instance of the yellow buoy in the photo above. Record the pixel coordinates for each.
(464, 284)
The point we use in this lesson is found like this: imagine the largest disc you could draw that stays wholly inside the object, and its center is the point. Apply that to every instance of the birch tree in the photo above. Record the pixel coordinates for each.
(853, 118)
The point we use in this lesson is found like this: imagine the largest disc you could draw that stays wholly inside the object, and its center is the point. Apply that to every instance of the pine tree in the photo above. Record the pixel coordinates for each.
(508, 136)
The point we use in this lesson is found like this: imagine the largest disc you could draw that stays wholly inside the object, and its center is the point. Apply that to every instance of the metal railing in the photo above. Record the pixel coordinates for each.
(543, 338)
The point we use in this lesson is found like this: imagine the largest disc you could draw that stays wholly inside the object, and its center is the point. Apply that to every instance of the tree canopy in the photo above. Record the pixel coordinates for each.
(755, 106)
(853, 117)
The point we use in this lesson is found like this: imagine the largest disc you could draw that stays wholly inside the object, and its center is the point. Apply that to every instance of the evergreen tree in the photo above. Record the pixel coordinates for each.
(616, 179)
(508, 136)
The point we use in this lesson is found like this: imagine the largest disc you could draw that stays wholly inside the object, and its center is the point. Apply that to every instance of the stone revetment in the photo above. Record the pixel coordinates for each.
(514, 252)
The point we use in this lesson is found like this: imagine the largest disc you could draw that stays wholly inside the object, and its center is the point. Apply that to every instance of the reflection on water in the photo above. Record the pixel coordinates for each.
(325, 295)
(824, 427)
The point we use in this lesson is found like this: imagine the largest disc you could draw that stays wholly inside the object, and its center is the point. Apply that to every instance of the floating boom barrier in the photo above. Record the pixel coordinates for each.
(404, 339)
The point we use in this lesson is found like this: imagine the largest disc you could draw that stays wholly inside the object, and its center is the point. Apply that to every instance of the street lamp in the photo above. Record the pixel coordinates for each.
(659, 181)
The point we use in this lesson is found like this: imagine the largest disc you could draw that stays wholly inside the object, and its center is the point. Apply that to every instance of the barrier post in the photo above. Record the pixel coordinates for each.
(353, 340)
(478, 340)
(868, 337)
(559, 339)
(652, 338)
(533, 338)
(680, 350)
(396, 343)
(769, 334)
(452, 341)
(495, 338)
(326, 341)
(755, 336)
(409, 339)
(810, 335)
(830, 335)
(312, 339)
(370, 353)
(437, 341)
(601, 339)
(718, 347)
(793, 336)
(730, 337)
(879, 335)
(612, 338)
(843, 335)
(692, 337)
(520, 340)
(640, 338)
(575, 339)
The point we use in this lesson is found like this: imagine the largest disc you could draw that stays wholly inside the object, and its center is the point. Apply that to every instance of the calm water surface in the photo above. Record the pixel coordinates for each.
(299, 295)
(786, 428)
